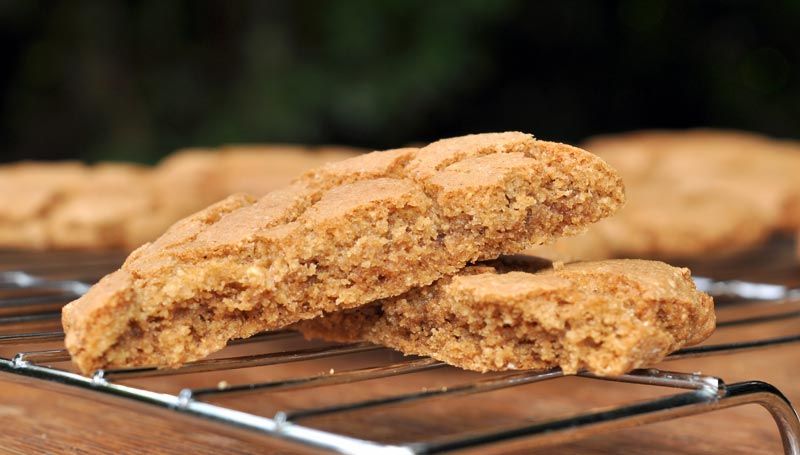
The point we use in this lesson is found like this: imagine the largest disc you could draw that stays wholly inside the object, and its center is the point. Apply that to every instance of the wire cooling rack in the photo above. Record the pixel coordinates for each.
(34, 286)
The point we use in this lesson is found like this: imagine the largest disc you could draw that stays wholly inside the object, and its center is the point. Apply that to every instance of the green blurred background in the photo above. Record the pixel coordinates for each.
(136, 80)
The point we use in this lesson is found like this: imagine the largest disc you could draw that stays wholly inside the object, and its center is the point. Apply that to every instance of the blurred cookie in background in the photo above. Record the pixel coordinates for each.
(30, 190)
(694, 193)
(243, 169)
(70, 205)
(102, 210)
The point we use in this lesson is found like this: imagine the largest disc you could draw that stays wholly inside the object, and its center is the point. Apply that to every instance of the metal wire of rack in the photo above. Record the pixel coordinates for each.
(32, 292)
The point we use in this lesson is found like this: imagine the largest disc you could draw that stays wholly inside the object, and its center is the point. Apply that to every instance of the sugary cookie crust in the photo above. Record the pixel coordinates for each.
(343, 235)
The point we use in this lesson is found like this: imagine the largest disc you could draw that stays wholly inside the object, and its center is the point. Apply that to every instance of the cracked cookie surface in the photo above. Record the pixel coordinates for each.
(339, 237)
(607, 317)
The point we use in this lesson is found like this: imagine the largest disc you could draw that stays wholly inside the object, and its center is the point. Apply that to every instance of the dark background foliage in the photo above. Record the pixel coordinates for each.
(135, 80)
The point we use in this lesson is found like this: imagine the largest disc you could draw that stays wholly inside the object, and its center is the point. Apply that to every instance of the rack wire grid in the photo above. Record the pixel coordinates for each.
(34, 286)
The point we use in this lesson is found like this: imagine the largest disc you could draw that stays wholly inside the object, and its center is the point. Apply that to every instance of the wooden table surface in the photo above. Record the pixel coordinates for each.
(36, 418)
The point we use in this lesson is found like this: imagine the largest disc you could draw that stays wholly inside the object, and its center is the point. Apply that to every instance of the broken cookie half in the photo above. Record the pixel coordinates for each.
(606, 317)
(341, 236)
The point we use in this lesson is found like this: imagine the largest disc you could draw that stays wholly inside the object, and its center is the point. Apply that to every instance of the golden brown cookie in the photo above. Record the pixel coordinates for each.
(99, 212)
(210, 175)
(188, 181)
(343, 235)
(259, 169)
(606, 317)
(28, 191)
(71, 205)
(747, 168)
(119, 205)
(694, 193)
(191, 179)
